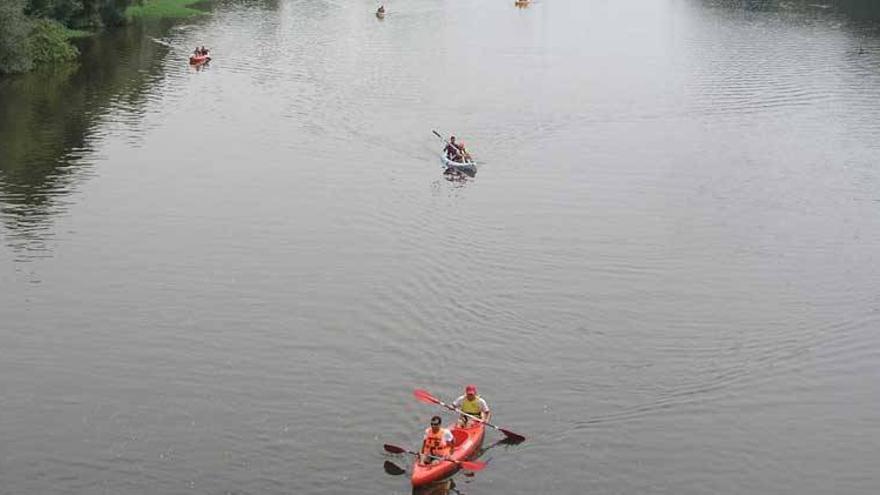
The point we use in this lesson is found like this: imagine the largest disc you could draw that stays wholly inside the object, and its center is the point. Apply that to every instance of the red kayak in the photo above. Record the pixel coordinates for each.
(199, 59)
(467, 442)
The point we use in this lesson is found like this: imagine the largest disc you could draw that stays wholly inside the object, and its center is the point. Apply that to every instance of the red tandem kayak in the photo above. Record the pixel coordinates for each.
(467, 442)
(199, 60)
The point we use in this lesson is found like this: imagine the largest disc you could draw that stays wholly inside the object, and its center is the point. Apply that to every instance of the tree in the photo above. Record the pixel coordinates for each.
(14, 30)
(80, 13)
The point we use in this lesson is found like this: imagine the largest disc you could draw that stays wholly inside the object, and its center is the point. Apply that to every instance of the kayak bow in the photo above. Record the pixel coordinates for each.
(467, 442)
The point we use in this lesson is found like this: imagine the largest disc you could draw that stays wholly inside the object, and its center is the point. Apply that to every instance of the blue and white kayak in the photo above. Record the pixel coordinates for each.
(468, 168)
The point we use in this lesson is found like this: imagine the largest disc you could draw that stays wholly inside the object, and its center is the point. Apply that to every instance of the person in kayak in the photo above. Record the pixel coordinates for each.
(472, 404)
(438, 442)
(465, 156)
(453, 150)
(204, 50)
(381, 10)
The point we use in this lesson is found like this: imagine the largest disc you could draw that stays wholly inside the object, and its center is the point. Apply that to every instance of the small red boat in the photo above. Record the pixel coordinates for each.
(467, 442)
(199, 59)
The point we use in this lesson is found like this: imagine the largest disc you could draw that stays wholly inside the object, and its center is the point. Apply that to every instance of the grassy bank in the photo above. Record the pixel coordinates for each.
(164, 8)
(77, 33)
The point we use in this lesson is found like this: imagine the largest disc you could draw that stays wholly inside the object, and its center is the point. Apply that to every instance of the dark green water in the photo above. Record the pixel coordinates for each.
(229, 280)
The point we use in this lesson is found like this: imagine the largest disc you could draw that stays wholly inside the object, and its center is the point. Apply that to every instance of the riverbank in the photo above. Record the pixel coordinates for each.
(30, 39)
(164, 9)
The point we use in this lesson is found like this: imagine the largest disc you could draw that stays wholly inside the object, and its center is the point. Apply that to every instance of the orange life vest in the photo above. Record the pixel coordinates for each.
(435, 444)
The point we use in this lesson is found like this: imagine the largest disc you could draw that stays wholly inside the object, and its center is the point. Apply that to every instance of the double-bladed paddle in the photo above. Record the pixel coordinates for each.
(469, 465)
(426, 397)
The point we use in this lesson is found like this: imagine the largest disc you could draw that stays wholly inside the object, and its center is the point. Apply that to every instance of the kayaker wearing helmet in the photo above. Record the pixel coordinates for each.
(472, 404)
(438, 442)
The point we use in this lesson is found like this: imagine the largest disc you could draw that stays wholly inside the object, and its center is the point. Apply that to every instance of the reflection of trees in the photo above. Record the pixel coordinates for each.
(857, 10)
(47, 119)
(863, 10)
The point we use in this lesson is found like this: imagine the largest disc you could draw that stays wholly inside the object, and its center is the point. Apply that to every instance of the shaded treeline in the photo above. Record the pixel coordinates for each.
(80, 13)
(34, 32)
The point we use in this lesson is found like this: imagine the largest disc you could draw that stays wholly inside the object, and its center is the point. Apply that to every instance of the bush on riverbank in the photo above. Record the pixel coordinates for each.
(48, 43)
(28, 43)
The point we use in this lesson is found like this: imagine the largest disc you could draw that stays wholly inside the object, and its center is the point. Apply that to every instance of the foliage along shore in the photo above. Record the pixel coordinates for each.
(36, 33)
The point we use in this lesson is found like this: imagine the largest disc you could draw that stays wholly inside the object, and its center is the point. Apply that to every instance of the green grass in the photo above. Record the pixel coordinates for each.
(164, 8)
(76, 33)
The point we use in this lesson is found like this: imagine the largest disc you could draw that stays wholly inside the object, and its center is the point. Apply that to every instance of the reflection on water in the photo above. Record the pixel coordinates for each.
(48, 124)
(48, 119)
(665, 276)
(858, 16)
(43, 132)
(444, 487)
(860, 11)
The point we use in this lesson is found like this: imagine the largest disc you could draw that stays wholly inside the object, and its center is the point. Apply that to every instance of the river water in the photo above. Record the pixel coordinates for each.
(664, 274)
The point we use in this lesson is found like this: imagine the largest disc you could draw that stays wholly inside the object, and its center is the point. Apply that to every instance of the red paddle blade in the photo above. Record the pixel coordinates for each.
(473, 465)
(394, 449)
(425, 396)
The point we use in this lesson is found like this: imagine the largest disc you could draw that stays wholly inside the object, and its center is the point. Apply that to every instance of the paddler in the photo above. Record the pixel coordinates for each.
(453, 150)
(472, 404)
(438, 442)
(465, 156)
(381, 10)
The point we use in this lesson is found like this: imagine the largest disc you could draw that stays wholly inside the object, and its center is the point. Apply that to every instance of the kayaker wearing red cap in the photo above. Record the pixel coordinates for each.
(438, 442)
(472, 404)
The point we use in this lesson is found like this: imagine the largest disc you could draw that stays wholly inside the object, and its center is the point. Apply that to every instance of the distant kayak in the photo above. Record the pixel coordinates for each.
(380, 15)
(199, 59)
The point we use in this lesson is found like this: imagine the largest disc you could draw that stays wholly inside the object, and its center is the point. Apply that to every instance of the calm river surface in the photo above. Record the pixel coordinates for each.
(666, 274)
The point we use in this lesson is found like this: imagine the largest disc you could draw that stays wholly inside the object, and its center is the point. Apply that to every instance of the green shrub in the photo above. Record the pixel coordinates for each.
(48, 44)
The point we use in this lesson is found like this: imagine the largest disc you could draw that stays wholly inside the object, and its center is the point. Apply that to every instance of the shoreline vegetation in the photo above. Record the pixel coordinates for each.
(177, 9)
(38, 33)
